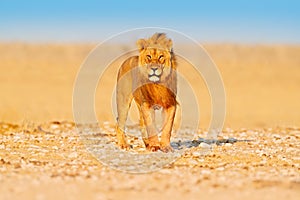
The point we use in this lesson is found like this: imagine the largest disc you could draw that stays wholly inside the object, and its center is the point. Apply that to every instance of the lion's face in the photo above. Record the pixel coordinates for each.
(155, 60)
(155, 64)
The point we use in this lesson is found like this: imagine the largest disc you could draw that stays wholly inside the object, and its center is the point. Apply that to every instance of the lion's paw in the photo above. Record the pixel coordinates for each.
(153, 148)
(124, 145)
(167, 149)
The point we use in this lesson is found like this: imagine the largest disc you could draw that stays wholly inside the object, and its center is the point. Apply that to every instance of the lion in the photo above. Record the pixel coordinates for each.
(151, 80)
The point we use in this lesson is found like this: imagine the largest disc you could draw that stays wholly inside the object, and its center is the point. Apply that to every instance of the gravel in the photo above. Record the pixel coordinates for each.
(58, 152)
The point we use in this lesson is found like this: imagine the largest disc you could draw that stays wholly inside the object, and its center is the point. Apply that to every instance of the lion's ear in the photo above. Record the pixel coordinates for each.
(169, 45)
(141, 44)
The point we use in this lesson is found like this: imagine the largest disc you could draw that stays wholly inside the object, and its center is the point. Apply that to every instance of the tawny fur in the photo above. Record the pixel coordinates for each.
(134, 82)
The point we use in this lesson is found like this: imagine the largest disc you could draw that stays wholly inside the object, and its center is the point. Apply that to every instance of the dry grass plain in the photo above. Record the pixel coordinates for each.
(41, 156)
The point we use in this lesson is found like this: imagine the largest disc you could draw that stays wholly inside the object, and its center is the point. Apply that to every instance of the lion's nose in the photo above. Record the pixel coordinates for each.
(154, 68)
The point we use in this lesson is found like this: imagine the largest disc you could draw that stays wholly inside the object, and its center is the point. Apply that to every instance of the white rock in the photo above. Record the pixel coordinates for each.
(204, 145)
(54, 126)
(220, 168)
(197, 153)
(73, 155)
(206, 172)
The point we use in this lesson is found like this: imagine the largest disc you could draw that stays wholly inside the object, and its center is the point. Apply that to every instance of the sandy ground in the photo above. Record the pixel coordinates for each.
(43, 157)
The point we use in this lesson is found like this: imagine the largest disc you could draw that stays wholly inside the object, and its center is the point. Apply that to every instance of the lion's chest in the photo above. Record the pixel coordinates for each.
(155, 95)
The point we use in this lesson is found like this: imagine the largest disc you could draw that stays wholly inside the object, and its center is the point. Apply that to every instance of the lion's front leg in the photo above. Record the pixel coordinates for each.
(143, 128)
(124, 99)
(148, 114)
(169, 114)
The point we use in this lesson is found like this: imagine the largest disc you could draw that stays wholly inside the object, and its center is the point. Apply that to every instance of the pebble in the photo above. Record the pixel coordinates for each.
(204, 145)
(205, 172)
(197, 153)
(220, 168)
(54, 126)
(193, 162)
(73, 155)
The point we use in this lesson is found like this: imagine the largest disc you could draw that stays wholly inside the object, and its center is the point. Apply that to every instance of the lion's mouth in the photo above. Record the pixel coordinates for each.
(154, 78)
(154, 74)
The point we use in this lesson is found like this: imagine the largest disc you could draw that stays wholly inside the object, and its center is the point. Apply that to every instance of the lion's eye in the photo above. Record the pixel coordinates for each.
(149, 57)
(160, 57)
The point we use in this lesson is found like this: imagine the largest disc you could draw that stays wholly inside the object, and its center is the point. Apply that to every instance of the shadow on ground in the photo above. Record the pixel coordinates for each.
(195, 143)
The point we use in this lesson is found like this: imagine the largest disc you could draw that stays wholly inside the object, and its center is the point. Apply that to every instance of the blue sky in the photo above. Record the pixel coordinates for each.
(252, 21)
